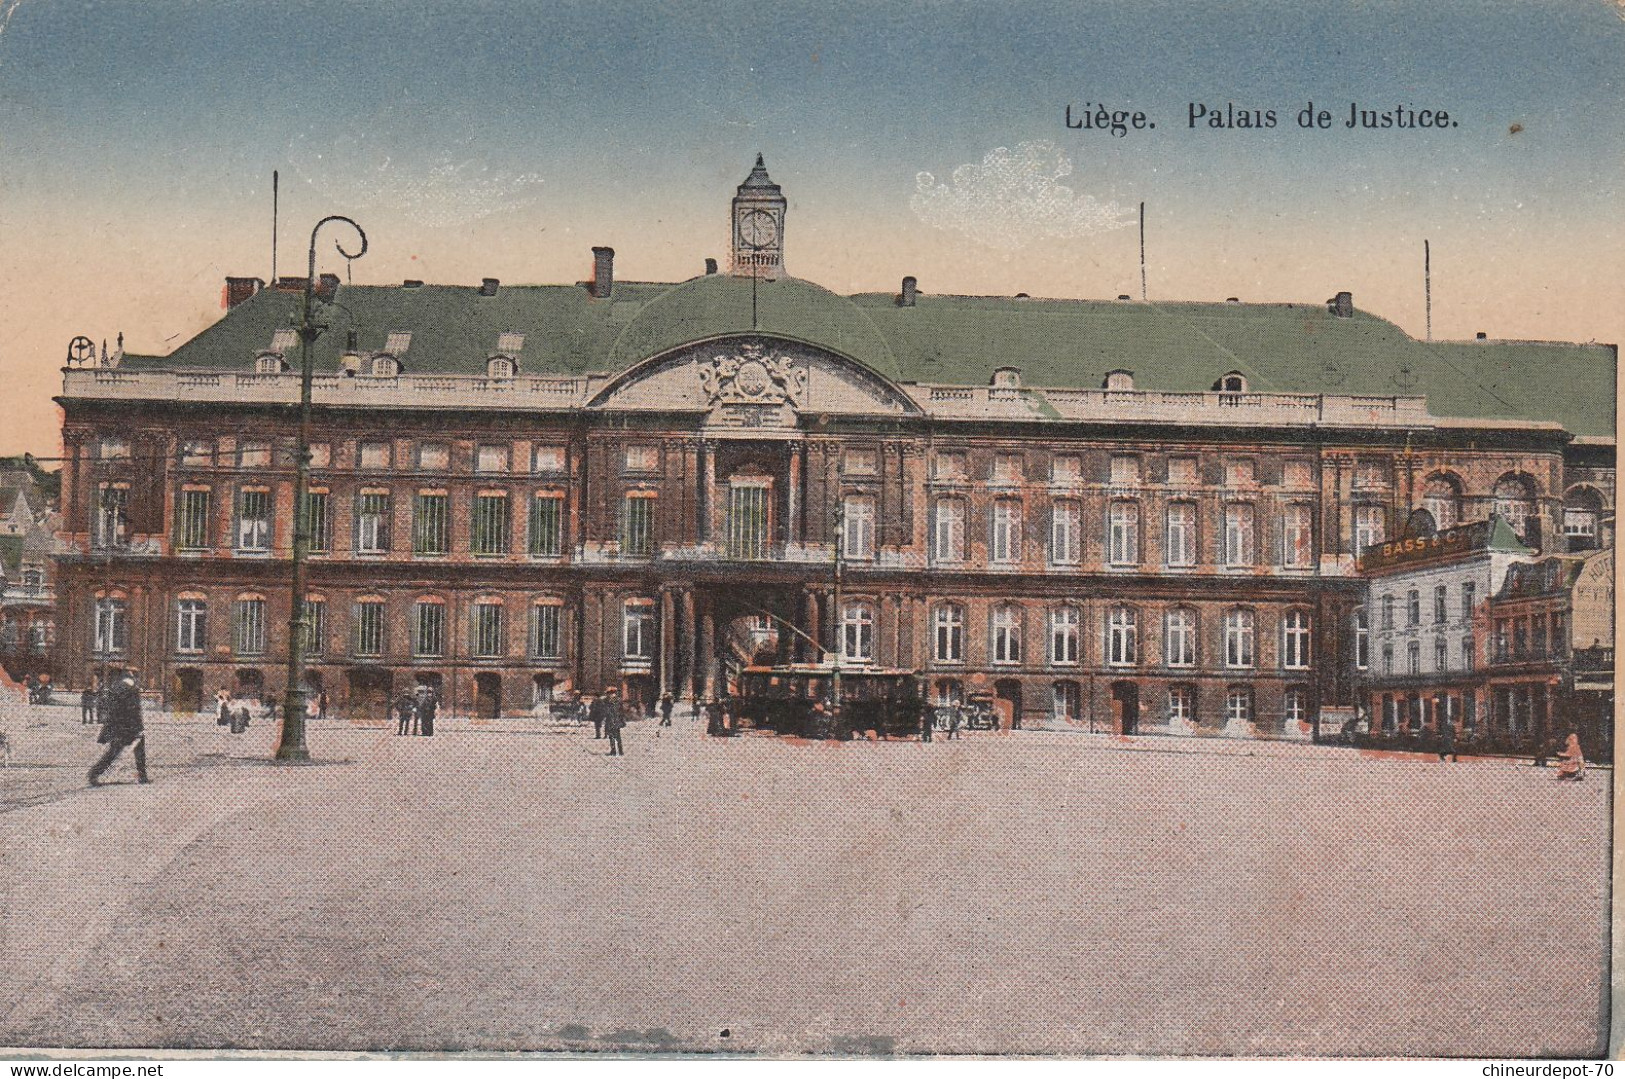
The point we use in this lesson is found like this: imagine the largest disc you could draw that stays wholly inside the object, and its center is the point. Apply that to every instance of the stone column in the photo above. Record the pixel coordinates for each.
(708, 651)
(668, 640)
(692, 638)
(814, 628)
(796, 530)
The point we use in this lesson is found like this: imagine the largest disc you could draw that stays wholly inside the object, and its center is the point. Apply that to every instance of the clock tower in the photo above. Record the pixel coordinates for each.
(758, 226)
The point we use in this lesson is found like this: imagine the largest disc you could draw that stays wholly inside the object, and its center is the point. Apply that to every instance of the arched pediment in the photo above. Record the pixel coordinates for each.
(754, 380)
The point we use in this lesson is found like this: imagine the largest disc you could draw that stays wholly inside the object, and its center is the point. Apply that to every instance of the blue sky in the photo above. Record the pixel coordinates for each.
(137, 142)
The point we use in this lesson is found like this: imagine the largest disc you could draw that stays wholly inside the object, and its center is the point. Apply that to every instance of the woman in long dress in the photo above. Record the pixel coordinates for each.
(1573, 762)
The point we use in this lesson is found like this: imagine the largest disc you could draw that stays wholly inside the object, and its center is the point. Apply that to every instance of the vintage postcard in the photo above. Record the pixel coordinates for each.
(1051, 528)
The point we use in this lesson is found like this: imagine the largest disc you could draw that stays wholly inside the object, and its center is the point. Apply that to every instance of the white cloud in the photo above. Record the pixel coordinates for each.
(1013, 198)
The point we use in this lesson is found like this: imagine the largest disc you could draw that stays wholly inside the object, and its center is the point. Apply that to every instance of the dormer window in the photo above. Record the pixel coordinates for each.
(269, 363)
(384, 365)
(1007, 378)
(1119, 380)
(1234, 382)
(501, 367)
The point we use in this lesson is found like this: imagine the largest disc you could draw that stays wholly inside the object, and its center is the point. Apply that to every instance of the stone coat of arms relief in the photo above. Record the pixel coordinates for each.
(753, 376)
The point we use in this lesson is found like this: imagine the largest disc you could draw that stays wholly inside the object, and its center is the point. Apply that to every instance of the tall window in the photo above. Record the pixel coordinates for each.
(1063, 635)
(429, 628)
(1295, 641)
(196, 513)
(1238, 638)
(1238, 534)
(1413, 607)
(248, 626)
(1122, 637)
(858, 527)
(192, 625)
(430, 523)
(1297, 707)
(1006, 539)
(1368, 527)
(546, 531)
(1181, 538)
(1387, 659)
(1387, 612)
(1441, 497)
(857, 632)
(1066, 526)
(372, 522)
(112, 630)
(546, 636)
(948, 530)
(1179, 644)
(113, 515)
(318, 530)
(748, 520)
(1007, 634)
(1297, 536)
(315, 628)
(638, 630)
(369, 627)
(1181, 706)
(1238, 705)
(637, 525)
(254, 520)
(488, 625)
(1467, 654)
(492, 524)
(1441, 601)
(1441, 655)
(1413, 657)
(1362, 639)
(1123, 538)
(949, 621)
(1515, 501)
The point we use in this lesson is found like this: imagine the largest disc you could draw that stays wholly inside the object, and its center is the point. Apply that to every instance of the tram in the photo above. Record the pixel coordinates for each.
(798, 699)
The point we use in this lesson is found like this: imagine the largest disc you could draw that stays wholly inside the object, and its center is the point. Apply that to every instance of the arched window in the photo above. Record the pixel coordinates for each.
(1119, 380)
(1238, 638)
(1582, 518)
(949, 625)
(1122, 637)
(1063, 635)
(1179, 640)
(1441, 497)
(1239, 544)
(1231, 382)
(1007, 634)
(1515, 501)
(857, 632)
(1005, 542)
(1295, 641)
(268, 363)
(384, 365)
(500, 368)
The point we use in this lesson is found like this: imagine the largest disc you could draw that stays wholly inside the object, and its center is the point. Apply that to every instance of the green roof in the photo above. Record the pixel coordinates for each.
(1181, 347)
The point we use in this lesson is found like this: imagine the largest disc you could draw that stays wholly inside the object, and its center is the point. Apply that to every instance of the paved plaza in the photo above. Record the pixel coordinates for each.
(509, 886)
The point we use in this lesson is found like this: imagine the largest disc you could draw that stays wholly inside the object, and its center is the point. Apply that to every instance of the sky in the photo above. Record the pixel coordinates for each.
(503, 139)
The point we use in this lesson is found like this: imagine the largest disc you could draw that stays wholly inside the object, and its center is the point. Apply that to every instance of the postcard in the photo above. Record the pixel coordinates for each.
(1048, 529)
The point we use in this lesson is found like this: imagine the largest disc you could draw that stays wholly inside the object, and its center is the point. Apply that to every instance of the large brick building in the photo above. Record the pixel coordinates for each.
(1110, 513)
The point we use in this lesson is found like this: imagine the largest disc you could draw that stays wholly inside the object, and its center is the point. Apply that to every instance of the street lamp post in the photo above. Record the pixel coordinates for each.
(291, 745)
(836, 616)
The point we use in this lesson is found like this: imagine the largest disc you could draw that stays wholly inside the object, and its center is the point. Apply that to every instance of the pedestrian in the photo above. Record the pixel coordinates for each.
(928, 719)
(713, 719)
(595, 712)
(406, 715)
(1447, 740)
(122, 727)
(222, 707)
(87, 700)
(955, 717)
(1573, 764)
(427, 704)
(614, 721)
(240, 718)
(666, 705)
(321, 704)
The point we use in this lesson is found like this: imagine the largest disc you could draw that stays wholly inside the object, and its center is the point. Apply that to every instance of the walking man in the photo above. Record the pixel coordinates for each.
(406, 715)
(666, 705)
(614, 721)
(427, 703)
(1447, 740)
(595, 712)
(122, 727)
(88, 700)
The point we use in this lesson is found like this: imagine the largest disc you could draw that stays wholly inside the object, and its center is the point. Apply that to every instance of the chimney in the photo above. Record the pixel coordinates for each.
(1481, 336)
(1341, 305)
(488, 286)
(710, 267)
(327, 286)
(412, 282)
(603, 272)
(239, 289)
(911, 289)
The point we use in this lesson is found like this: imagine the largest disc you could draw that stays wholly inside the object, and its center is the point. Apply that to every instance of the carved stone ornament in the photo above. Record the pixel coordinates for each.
(754, 376)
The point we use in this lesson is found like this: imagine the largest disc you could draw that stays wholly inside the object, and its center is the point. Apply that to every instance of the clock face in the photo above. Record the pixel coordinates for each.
(757, 229)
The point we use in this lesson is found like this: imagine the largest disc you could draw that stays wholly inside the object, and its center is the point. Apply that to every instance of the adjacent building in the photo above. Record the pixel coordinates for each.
(1110, 514)
(28, 549)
